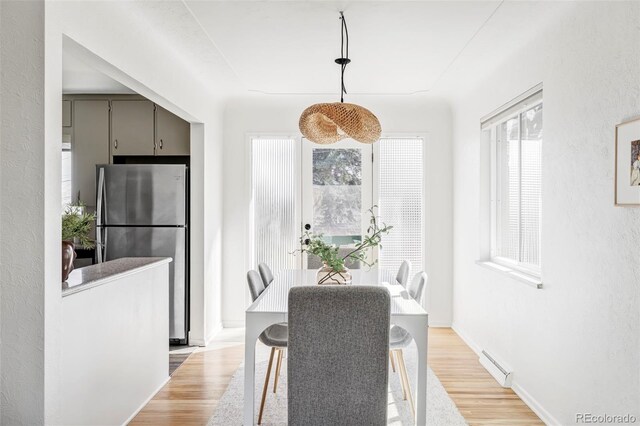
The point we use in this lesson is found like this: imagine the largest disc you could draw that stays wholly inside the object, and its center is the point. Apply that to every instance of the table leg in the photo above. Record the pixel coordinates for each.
(250, 338)
(418, 327)
(421, 338)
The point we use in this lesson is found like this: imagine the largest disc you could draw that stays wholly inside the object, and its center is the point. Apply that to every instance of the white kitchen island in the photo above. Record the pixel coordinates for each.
(115, 354)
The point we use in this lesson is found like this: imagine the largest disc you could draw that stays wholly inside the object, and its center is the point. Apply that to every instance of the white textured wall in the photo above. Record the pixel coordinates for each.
(279, 115)
(165, 57)
(115, 347)
(127, 35)
(1, 223)
(213, 265)
(574, 346)
(23, 200)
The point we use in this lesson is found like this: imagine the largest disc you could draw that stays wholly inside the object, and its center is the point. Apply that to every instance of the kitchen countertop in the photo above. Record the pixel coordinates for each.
(95, 275)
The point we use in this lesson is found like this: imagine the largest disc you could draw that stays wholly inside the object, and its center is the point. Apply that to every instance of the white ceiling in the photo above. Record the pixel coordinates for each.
(78, 77)
(289, 47)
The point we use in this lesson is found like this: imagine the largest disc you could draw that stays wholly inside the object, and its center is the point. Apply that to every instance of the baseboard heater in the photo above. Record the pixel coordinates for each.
(501, 373)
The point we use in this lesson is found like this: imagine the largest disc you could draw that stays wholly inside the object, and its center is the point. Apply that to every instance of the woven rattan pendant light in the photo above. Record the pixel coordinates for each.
(331, 122)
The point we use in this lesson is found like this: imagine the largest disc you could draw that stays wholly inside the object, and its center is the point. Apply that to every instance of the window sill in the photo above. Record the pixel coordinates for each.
(528, 279)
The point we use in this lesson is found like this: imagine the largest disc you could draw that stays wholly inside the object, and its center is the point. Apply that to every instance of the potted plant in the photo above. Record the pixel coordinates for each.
(334, 270)
(76, 226)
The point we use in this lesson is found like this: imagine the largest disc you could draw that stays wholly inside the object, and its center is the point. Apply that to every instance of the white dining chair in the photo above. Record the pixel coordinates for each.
(265, 274)
(402, 277)
(275, 337)
(399, 338)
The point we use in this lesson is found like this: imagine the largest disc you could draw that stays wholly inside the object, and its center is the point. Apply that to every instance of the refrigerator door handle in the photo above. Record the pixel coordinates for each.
(101, 197)
(99, 243)
(103, 247)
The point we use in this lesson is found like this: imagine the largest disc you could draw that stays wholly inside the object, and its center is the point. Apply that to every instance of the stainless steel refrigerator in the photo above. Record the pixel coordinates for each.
(141, 211)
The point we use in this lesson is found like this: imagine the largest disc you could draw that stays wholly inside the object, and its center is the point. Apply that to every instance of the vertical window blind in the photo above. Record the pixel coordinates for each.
(518, 187)
(400, 201)
(274, 183)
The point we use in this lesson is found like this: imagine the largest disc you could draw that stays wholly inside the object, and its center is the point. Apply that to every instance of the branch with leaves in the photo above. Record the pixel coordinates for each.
(76, 224)
(315, 244)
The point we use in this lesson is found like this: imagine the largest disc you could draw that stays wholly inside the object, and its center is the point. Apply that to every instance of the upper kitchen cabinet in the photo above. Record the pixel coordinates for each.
(90, 146)
(66, 113)
(132, 123)
(172, 133)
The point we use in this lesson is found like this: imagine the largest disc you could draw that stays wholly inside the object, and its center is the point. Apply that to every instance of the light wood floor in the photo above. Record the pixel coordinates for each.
(476, 394)
(191, 396)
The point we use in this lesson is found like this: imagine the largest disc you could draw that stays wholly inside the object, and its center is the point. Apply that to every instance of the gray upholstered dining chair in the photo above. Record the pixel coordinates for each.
(400, 338)
(402, 277)
(338, 378)
(265, 274)
(275, 336)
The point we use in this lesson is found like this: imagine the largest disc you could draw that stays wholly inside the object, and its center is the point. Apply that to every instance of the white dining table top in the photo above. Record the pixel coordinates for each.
(275, 298)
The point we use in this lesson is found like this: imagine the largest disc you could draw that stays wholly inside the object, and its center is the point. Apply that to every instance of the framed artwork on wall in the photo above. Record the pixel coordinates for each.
(627, 189)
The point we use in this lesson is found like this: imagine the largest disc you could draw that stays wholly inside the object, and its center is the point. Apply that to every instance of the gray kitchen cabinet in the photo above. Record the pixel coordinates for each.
(90, 146)
(172, 133)
(66, 114)
(132, 127)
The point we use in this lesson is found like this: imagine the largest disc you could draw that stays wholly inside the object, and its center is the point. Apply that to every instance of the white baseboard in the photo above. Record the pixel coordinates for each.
(197, 342)
(194, 341)
(535, 406)
(466, 338)
(135, 413)
(439, 324)
(525, 396)
(217, 329)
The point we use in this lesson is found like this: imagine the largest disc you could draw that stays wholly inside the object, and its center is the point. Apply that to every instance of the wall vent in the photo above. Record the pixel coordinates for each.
(499, 371)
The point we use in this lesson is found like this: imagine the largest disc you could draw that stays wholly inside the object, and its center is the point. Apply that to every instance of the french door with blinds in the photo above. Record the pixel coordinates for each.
(329, 189)
(337, 190)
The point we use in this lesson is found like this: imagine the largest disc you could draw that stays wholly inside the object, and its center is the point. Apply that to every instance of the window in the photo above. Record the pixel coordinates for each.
(66, 171)
(340, 184)
(400, 200)
(515, 134)
(274, 202)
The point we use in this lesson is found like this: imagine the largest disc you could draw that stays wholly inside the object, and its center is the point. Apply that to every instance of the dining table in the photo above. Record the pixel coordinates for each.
(271, 308)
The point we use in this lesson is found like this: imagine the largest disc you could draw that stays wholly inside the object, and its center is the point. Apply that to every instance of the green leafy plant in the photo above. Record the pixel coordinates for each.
(316, 244)
(76, 225)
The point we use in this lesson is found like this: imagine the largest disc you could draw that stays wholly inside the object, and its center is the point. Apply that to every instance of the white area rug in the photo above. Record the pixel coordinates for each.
(441, 411)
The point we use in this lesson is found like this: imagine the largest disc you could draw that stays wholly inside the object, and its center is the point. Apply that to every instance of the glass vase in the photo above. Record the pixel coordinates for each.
(328, 276)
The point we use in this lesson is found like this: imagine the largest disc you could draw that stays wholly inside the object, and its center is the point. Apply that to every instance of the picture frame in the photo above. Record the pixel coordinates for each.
(627, 163)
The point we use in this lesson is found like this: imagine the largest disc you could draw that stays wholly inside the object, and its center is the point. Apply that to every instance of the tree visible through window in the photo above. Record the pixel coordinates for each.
(337, 191)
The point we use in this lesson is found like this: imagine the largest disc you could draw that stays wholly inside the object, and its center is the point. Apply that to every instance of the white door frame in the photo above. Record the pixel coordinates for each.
(306, 195)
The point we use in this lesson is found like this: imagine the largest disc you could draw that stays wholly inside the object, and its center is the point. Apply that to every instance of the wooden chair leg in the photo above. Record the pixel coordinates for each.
(266, 385)
(406, 378)
(393, 364)
(278, 365)
(402, 382)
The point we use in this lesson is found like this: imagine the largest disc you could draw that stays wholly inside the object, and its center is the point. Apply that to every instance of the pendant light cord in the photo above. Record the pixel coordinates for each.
(344, 54)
